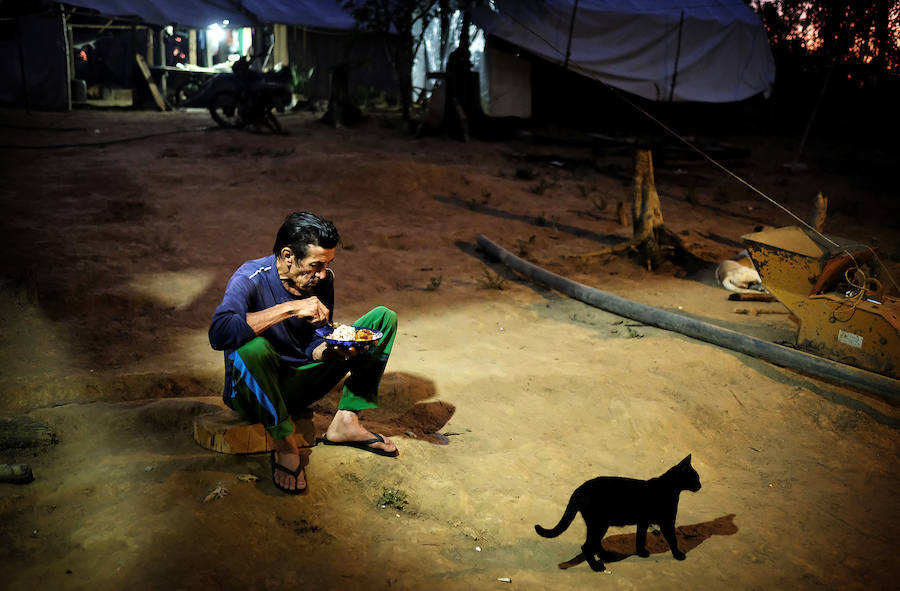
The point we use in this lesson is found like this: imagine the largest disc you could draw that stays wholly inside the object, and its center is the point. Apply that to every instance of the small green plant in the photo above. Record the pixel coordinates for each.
(300, 78)
(393, 498)
(434, 283)
(633, 334)
(491, 279)
(525, 245)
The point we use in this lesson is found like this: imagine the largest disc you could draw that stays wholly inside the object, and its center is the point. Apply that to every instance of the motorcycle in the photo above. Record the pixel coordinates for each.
(244, 97)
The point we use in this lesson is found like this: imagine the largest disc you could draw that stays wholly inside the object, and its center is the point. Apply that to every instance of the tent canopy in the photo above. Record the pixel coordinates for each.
(199, 14)
(711, 51)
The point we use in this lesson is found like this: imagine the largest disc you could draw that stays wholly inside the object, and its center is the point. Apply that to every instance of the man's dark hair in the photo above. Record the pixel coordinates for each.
(302, 228)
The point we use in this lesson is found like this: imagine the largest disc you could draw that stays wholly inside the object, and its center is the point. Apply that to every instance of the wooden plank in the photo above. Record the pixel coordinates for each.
(751, 297)
(153, 89)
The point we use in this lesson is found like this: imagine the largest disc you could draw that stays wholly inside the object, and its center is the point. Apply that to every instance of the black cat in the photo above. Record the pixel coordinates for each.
(609, 500)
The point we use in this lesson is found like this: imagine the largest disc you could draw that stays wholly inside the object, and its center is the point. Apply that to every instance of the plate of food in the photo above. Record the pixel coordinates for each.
(347, 335)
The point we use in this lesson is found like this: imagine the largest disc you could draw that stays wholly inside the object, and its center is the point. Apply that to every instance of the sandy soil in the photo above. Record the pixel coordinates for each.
(115, 255)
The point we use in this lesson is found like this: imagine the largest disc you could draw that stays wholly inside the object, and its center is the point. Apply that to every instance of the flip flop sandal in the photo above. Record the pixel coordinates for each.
(295, 473)
(365, 445)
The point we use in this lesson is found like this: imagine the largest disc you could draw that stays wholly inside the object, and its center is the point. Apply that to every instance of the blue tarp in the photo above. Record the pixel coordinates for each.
(199, 14)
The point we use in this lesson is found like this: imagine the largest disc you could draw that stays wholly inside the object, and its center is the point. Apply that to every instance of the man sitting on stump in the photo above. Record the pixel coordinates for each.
(274, 361)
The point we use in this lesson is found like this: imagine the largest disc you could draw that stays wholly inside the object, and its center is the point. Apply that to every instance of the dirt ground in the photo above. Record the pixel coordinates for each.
(502, 396)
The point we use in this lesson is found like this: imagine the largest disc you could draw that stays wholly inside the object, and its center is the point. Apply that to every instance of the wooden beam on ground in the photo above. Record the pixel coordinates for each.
(751, 297)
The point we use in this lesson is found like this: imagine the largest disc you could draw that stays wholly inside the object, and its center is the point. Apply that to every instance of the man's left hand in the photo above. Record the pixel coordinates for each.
(327, 352)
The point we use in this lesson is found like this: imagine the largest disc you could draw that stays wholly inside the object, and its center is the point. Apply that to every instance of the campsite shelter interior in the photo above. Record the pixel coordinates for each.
(64, 55)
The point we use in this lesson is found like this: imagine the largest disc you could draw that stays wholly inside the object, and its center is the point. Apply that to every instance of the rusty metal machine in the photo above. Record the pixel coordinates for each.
(829, 284)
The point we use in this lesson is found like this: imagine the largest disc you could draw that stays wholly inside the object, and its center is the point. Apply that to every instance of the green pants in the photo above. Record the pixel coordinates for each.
(266, 388)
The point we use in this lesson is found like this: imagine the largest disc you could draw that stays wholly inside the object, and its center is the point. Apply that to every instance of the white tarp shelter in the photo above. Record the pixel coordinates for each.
(665, 50)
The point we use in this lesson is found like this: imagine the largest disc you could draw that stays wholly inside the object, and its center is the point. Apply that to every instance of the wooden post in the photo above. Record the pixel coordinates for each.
(192, 47)
(150, 57)
(70, 57)
(622, 214)
(816, 217)
(153, 89)
(280, 52)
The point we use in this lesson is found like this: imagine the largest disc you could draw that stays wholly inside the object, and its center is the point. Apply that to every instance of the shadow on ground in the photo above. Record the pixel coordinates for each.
(689, 537)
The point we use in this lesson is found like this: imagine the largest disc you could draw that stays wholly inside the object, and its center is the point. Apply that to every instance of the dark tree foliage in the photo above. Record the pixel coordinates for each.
(398, 19)
(844, 53)
(395, 18)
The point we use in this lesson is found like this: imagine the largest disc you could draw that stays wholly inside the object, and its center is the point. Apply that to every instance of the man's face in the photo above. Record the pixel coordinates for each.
(305, 274)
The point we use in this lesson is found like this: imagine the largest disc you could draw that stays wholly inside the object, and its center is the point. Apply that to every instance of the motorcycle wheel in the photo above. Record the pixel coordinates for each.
(225, 108)
(273, 123)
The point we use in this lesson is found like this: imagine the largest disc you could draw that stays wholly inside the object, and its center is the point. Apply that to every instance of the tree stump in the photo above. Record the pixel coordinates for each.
(646, 212)
(653, 242)
(224, 431)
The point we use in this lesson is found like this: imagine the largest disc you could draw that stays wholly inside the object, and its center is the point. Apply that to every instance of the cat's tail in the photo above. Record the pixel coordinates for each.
(563, 524)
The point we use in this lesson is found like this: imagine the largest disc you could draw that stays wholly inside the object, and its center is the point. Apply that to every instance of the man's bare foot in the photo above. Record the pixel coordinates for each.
(345, 428)
(287, 454)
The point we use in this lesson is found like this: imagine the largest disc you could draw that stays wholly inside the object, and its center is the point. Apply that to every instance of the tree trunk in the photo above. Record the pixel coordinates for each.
(653, 242)
(646, 211)
(341, 110)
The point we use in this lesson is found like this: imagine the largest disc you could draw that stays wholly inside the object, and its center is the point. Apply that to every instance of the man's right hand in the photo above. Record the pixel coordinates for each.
(311, 310)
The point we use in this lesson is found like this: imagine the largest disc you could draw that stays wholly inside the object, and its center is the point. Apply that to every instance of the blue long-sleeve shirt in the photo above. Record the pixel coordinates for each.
(256, 286)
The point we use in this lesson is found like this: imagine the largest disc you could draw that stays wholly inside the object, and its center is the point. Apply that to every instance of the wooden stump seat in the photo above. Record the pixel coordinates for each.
(224, 431)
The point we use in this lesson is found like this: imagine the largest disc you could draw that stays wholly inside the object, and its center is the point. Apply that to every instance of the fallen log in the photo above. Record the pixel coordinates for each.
(23, 432)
